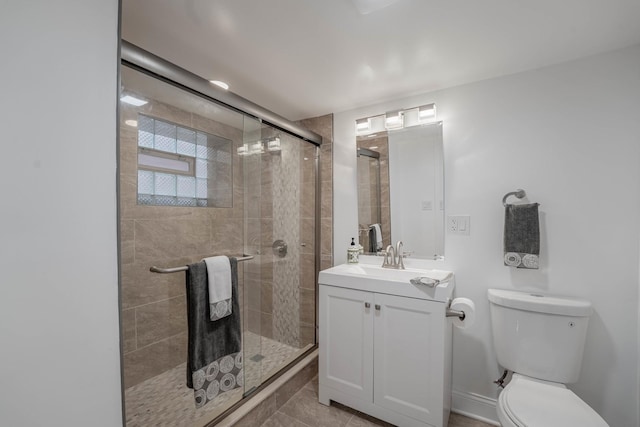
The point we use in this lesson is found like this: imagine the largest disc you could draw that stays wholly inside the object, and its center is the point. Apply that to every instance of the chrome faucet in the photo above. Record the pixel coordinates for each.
(386, 263)
(400, 254)
(393, 257)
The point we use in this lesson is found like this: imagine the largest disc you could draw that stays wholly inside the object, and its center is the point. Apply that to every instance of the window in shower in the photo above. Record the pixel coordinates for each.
(180, 166)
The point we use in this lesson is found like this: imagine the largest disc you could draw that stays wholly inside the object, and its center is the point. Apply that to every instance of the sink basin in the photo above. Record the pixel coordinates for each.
(369, 277)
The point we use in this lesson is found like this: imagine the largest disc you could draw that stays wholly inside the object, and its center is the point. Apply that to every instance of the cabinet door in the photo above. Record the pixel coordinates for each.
(346, 341)
(408, 356)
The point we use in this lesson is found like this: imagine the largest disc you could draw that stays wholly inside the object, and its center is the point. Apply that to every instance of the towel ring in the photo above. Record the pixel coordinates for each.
(519, 193)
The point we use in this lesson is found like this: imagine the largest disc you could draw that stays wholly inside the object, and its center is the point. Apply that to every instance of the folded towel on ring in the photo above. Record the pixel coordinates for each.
(219, 282)
(521, 236)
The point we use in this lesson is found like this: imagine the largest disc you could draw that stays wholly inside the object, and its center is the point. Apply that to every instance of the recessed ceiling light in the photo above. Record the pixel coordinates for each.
(133, 123)
(221, 84)
(133, 100)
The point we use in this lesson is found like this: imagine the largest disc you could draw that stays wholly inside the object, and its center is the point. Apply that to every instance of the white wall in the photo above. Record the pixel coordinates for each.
(59, 357)
(570, 136)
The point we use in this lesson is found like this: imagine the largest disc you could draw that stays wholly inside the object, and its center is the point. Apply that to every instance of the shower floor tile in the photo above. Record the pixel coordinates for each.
(165, 400)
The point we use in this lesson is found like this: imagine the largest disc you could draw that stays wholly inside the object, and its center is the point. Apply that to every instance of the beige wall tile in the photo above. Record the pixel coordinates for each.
(308, 235)
(172, 238)
(266, 300)
(149, 361)
(266, 325)
(307, 334)
(308, 271)
(160, 320)
(307, 306)
(140, 286)
(128, 318)
(127, 242)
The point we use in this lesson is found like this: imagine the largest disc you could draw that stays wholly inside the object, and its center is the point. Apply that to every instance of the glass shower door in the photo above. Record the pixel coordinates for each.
(280, 198)
(199, 180)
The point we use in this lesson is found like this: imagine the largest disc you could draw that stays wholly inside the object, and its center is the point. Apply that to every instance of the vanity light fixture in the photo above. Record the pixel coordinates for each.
(256, 148)
(133, 123)
(427, 112)
(394, 120)
(397, 119)
(243, 150)
(363, 125)
(273, 144)
(220, 83)
(132, 100)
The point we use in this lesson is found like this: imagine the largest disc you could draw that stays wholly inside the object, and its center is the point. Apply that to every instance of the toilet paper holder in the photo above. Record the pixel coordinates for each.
(455, 313)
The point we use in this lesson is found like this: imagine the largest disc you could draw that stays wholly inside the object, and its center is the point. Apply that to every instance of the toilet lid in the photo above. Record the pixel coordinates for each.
(531, 403)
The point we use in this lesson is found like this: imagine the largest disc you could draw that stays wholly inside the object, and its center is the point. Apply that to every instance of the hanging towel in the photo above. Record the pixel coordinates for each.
(378, 240)
(372, 245)
(214, 363)
(219, 279)
(521, 236)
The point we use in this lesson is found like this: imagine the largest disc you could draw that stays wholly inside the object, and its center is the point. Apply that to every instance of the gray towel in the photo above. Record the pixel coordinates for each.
(521, 236)
(373, 246)
(214, 363)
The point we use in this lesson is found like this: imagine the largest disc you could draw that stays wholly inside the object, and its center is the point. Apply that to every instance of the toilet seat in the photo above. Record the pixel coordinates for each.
(528, 402)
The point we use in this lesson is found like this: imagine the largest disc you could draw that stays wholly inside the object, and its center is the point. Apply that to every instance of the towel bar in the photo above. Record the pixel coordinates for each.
(155, 269)
(519, 193)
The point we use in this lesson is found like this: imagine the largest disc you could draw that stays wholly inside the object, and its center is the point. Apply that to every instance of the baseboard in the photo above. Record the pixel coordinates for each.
(475, 406)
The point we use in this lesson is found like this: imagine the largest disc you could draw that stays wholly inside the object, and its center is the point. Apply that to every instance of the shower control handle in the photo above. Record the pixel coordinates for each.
(279, 248)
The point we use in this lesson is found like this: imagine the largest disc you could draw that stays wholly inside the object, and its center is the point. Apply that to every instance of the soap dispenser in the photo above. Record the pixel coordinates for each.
(352, 252)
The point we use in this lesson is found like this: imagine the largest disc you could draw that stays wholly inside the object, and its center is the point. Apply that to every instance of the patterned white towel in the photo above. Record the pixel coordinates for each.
(219, 282)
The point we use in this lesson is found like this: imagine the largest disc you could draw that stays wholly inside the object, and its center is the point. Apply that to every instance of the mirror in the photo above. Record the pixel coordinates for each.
(401, 190)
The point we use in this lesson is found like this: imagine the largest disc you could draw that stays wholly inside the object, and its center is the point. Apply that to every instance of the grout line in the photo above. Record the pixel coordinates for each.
(156, 302)
(155, 342)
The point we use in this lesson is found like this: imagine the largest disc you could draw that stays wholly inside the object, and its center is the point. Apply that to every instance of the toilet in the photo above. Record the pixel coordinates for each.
(540, 338)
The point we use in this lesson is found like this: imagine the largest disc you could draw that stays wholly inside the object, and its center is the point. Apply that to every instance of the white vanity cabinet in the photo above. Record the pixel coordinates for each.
(385, 355)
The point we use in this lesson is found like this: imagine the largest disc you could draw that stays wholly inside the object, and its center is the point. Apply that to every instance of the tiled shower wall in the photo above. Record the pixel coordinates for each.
(266, 304)
(323, 126)
(154, 305)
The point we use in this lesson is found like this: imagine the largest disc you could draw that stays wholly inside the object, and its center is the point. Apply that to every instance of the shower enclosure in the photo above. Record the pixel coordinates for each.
(199, 177)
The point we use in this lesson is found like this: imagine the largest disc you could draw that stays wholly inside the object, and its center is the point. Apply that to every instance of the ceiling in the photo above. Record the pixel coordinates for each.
(306, 58)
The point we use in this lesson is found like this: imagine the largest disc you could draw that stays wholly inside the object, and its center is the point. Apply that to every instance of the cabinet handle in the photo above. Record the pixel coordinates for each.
(378, 307)
(367, 305)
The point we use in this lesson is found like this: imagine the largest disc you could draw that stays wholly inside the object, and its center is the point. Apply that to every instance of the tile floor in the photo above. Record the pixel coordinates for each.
(304, 410)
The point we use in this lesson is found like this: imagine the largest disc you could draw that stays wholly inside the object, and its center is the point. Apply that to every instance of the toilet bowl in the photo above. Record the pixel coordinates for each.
(528, 402)
(540, 338)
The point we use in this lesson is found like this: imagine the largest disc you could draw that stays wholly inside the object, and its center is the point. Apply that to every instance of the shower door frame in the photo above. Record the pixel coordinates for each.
(133, 57)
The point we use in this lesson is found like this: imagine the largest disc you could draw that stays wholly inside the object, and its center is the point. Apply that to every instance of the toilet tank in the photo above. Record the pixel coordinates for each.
(537, 335)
